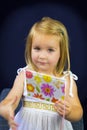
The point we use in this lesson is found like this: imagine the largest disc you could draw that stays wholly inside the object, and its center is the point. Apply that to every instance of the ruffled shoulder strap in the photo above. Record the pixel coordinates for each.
(72, 76)
(21, 69)
(29, 66)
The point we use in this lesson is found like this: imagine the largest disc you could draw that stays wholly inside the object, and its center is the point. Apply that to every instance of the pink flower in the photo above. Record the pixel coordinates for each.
(47, 89)
(63, 89)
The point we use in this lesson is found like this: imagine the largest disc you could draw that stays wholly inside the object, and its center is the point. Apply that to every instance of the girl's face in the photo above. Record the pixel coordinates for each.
(45, 52)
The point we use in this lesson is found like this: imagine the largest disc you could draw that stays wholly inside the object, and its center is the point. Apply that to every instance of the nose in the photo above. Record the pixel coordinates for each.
(42, 55)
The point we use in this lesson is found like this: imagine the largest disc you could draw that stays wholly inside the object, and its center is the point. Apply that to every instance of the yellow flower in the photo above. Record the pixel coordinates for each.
(30, 87)
(47, 78)
(37, 79)
(62, 97)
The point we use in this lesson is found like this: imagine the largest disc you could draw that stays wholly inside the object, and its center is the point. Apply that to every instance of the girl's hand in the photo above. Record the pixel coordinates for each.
(13, 125)
(7, 111)
(63, 107)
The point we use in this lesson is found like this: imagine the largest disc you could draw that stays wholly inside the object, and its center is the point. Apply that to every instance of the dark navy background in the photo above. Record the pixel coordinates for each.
(16, 18)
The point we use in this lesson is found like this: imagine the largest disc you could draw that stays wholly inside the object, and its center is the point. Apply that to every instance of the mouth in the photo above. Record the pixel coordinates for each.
(42, 63)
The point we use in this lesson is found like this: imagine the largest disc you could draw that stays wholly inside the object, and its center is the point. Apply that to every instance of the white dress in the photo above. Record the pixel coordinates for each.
(29, 118)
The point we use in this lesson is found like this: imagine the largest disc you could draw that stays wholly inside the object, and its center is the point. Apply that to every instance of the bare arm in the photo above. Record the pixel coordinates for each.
(71, 107)
(16, 91)
(11, 101)
(76, 110)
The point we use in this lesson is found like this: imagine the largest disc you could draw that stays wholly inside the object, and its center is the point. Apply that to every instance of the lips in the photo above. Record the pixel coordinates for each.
(41, 62)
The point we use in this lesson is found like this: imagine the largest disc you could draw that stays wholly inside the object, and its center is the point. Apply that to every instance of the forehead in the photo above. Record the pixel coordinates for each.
(41, 38)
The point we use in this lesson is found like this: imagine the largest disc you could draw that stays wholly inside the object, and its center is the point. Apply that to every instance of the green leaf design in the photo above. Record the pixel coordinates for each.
(29, 94)
(38, 89)
(48, 99)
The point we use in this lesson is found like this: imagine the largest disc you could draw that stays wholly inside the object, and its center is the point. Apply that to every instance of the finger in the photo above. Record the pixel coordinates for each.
(60, 105)
(61, 112)
(13, 124)
(63, 104)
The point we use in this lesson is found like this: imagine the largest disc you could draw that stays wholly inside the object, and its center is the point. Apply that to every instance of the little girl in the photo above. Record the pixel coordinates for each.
(47, 52)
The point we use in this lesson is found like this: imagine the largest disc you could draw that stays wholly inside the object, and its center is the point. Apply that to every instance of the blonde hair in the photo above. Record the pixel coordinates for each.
(54, 27)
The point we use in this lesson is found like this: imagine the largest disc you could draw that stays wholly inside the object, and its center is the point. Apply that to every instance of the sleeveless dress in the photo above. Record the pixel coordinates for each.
(36, 114)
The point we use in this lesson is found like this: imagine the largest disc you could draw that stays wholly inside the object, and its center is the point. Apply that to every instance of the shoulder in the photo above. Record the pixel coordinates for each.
(71, 86)
(69, 76)
(21, 74)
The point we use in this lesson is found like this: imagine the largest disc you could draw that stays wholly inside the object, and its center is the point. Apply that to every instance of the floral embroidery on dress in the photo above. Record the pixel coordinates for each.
(45, 87)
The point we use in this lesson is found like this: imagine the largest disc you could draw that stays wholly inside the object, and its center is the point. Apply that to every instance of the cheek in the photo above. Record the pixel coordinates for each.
(33, 56)
(55, 59)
